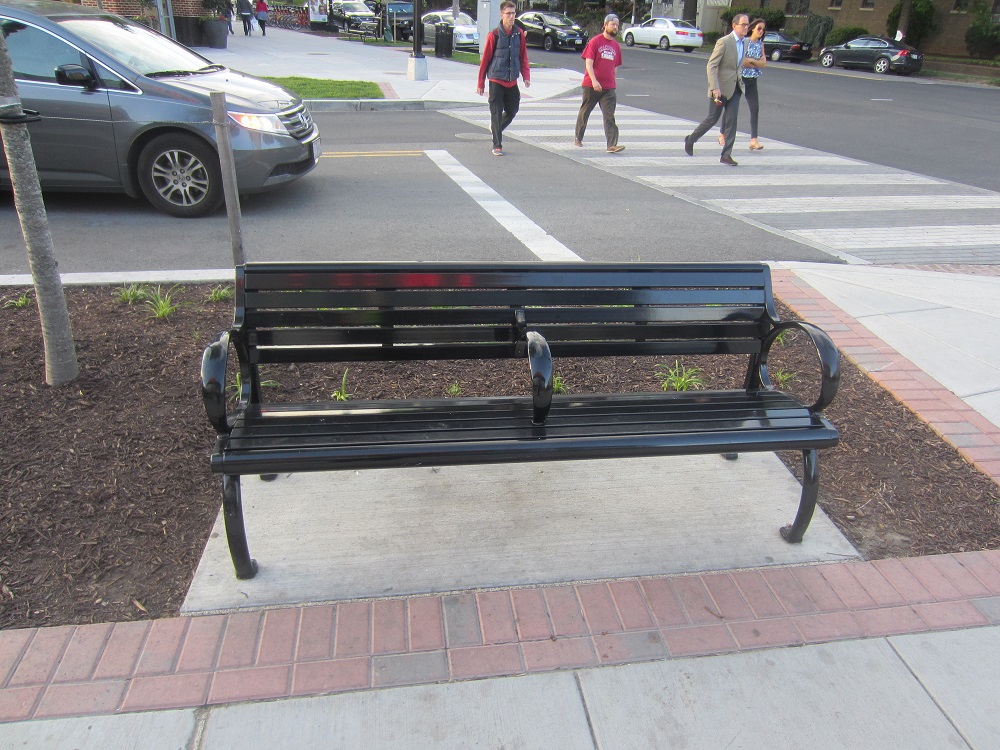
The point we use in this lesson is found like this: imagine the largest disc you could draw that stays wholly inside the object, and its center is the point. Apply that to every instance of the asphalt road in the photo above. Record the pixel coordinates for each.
(376, 195)
(917, 123)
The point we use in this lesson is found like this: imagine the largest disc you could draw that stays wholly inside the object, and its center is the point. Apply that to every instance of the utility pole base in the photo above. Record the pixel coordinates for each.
(416, 69)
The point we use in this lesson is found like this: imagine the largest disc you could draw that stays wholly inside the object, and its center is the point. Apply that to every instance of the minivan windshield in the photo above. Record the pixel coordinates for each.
(141, 49)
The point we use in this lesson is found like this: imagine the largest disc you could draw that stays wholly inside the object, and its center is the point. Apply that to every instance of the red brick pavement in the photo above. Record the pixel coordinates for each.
(297, 651)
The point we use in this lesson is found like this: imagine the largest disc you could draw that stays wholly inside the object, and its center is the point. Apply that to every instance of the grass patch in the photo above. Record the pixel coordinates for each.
(319, 88)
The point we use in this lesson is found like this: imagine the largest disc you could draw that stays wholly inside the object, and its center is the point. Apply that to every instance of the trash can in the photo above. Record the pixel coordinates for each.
(444, 39)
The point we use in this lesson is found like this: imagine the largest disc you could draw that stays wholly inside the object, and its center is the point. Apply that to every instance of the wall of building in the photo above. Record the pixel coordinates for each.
(949, 39)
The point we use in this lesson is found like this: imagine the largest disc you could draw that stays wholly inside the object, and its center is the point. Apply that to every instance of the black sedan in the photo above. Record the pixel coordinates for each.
(781, 46)
(347, 15)
(552, 30)
(878, 53)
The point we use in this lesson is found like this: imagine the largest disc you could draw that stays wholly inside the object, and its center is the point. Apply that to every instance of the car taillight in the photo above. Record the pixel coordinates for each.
(796, 46)
(682, 33)
(904, 52)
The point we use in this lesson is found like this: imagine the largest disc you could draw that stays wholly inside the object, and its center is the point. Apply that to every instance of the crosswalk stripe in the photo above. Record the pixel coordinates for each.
(858, 203)
(797, 178)
(819, 186)
(853, 238)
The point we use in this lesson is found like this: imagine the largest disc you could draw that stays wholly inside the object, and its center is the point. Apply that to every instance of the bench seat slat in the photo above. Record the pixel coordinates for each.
(337, 438)
(278, 355)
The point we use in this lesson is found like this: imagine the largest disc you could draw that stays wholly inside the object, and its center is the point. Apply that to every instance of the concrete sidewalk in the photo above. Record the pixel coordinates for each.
(449, 83)
(890, 653)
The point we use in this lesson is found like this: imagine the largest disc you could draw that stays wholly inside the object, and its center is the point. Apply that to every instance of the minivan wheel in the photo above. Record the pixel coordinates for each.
(180, 174)
(882, 65)
(826, 60)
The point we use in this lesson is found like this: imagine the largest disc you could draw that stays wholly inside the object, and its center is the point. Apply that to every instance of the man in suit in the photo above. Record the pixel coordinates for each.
(725, 87)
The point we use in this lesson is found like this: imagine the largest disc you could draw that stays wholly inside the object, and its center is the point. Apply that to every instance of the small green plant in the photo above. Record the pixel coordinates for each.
(237, 387)
(680, 377)
(780, 377)
(18, 302)
(161, 304)
(132, 293)
(454, 390)
(559, 384)
(780, 338)
(341, 393)
(221, 293)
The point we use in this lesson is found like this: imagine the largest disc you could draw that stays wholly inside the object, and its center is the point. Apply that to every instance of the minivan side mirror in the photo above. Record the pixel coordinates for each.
(72, 74)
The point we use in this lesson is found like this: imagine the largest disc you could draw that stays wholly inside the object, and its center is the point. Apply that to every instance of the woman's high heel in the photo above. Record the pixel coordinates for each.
(754, 146)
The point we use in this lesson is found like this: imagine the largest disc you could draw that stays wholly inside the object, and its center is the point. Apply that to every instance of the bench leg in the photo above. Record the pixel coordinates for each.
(807, 504)
(236, 532)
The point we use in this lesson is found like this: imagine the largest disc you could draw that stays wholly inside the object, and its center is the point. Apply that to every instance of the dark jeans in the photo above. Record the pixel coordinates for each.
(245, 17)
(608, 100)
(731, 108)
(750, 84)
(504, 103)
(262, 22)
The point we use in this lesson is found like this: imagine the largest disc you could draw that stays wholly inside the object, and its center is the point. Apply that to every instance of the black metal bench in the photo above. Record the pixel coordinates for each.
(353, 312)
(363, 30)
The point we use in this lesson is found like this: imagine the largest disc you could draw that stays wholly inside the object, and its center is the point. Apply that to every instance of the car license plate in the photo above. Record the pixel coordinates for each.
(317, 150)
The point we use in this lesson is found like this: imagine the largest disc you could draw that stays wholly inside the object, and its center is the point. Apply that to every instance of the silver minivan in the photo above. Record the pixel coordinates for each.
(126, 109)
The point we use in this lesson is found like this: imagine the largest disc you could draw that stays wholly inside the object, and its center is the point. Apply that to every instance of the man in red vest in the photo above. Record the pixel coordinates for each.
(504, 59)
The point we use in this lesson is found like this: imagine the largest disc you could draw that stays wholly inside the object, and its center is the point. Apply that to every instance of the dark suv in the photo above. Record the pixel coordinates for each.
(125, 109)
(399, 17)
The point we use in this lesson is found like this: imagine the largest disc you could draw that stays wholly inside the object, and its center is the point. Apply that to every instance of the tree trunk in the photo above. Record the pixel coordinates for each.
(57, 333)
(690, 10)
(904, 20)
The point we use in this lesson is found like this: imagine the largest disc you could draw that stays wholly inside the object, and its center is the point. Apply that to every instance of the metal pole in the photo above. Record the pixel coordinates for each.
(220, 116)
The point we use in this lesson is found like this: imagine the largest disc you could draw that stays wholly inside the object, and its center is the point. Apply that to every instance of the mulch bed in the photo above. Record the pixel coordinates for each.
(107, 498)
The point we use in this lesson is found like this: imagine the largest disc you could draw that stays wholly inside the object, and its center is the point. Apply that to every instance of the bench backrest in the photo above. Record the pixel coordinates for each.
(343, 312)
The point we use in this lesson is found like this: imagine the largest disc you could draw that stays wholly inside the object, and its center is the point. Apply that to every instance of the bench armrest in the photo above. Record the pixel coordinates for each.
(540, 362)
(213, 382)
(829, 359)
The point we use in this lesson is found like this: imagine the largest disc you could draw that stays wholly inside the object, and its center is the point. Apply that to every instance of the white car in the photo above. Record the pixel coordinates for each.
(466, 31)
(665, 33)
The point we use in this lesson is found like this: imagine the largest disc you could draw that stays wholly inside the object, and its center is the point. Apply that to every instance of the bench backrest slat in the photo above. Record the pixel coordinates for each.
(337, 312)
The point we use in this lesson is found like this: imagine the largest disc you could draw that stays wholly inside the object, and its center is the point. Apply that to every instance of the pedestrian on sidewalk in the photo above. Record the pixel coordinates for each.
(754, 63)
(245, 9)
(725, 88)
(505, 57)
(228, 14)
(601, 56)
(260, 9)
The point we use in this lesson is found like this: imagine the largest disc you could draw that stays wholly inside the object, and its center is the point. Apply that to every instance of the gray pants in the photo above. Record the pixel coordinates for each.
(731, 108)
(608, 99)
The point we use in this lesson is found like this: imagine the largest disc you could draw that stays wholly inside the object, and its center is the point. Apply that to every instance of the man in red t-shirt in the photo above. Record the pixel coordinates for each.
(505, 57)
(601, 56)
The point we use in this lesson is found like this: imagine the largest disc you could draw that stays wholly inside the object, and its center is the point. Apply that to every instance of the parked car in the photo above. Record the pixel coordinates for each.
(779, 45)
(125, 109)
(552, 30)
(665, 33)
(466, 34)
(400, 19)
(347, 15)
(875, 52)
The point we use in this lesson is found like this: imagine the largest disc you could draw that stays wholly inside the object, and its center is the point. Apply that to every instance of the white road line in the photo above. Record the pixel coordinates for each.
(877, 238)
(537, 240)
(857, 203)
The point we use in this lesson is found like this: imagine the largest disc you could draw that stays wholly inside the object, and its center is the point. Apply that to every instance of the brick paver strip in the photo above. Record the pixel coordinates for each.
(316, 633)
(750, 609)
(389, 627)
(461, 621)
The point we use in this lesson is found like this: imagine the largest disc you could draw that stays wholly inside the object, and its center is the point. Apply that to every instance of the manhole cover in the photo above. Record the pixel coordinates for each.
(474, 136)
